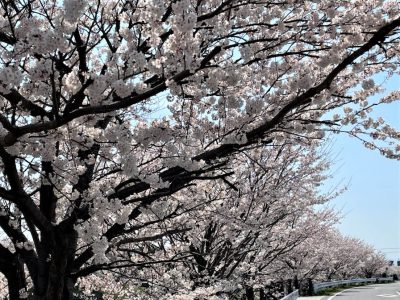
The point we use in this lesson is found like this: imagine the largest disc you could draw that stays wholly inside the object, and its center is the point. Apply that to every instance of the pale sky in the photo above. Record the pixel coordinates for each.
(371, 205)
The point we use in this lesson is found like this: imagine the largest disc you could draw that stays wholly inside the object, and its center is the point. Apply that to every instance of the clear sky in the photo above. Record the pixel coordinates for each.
(371, 205)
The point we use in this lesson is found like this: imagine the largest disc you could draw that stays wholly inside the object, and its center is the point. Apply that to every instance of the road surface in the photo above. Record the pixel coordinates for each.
(369, 292)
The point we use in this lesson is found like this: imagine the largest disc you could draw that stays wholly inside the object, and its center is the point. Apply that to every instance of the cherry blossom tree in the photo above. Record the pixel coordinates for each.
(111, 108)
(373, 262)
(328, 255)
(245, 224)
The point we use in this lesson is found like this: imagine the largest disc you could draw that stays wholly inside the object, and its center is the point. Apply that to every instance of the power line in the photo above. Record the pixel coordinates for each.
(390, 248)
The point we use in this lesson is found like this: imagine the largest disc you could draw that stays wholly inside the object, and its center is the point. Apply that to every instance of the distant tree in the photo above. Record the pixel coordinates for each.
(265, 211)
(328, 255)
(87, 157)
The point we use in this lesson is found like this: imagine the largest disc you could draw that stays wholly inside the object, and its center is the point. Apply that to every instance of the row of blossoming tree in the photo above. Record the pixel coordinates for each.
(174, 147)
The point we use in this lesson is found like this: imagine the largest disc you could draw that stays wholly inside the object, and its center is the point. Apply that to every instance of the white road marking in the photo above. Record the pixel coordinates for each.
(331, 297)
(384, 296)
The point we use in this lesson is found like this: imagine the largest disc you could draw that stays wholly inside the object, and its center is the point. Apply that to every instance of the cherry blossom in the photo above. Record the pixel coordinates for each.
(131, 129)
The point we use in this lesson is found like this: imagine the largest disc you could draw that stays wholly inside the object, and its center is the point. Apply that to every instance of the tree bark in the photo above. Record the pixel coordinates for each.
(262, 294)
(250, 293)
(11, 266)
(15, 280)
(57, 284)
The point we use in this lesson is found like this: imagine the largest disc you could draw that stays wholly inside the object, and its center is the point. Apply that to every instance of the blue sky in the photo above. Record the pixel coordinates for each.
(371, 205)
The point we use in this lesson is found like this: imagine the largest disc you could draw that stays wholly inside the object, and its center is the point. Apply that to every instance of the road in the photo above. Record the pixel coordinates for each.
(370, 292)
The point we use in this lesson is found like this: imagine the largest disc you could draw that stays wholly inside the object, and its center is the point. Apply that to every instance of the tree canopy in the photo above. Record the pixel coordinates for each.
(176, 145)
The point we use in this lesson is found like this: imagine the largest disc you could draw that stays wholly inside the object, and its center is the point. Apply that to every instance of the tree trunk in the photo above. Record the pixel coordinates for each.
(306, 287)
(55, 282)
(12, 267)
(296, 284)
(250, 293)
(288, 287)
(16, 282)
(262, 294)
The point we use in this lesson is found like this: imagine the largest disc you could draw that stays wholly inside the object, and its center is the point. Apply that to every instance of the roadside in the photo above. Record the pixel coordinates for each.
(327, 292)
(361, 292)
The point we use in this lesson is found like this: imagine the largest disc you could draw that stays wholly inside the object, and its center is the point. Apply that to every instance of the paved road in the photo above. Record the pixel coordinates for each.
(370, 292)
